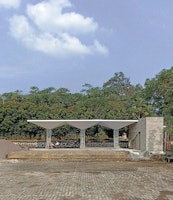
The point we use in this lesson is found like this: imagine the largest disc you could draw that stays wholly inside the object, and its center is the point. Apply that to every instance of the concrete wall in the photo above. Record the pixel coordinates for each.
(154, 137)
(137, 135)
(147, 134)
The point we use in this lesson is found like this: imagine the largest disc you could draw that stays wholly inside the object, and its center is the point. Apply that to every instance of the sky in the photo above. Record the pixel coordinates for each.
(68, 43)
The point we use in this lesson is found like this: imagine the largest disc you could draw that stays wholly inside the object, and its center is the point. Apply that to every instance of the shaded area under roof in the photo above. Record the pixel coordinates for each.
(83, 123)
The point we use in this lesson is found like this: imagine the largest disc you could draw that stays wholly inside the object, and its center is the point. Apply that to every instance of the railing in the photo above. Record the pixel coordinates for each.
(68, 144)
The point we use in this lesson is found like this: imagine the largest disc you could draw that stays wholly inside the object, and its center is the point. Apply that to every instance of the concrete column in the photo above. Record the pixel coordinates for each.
(116, 139)
(48, 138)
(82, 138)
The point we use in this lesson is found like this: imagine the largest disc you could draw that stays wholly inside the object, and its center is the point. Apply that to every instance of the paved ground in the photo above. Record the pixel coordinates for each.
(85, 180)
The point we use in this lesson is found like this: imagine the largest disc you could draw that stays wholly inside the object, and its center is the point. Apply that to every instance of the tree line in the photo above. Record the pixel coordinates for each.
(116, 99)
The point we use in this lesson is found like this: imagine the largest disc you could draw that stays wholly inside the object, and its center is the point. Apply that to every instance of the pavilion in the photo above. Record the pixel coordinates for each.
(115, 125)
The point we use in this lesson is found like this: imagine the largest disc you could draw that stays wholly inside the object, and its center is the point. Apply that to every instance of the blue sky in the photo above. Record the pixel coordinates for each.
(67, 43)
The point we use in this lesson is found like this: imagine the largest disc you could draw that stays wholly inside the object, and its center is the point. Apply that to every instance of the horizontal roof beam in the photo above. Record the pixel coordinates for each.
(83, 123)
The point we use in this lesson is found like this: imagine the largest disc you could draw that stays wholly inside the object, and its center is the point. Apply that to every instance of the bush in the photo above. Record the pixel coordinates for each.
(101, 136)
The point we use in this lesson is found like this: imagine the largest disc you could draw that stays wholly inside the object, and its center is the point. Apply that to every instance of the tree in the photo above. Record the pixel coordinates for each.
(34, 90)
(117, 99)
(159, 94)
(118, 84)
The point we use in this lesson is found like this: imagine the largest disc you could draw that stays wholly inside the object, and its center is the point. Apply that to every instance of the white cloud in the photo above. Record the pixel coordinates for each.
(48, 16)
(10, 3)
(45, 28)
(97, 47)
(20, 27)
(45, 42)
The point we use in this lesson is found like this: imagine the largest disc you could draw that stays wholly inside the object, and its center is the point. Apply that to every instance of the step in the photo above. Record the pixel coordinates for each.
(69, 154)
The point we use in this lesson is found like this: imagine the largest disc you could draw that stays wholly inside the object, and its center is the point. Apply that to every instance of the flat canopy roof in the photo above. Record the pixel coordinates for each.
(83, 123)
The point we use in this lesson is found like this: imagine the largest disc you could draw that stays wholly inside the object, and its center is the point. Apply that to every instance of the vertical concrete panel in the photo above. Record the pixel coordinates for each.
(142, 133)
(132, 134)
(154, 134)
(137, 135)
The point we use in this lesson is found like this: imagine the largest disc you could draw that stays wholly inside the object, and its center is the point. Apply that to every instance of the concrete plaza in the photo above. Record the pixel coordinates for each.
(85, 180)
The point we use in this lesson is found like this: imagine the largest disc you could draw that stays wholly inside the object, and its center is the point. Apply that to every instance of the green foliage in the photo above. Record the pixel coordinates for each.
(73, 136)
(117, 99)
(159, 94)
(101, 136)
(118, 84)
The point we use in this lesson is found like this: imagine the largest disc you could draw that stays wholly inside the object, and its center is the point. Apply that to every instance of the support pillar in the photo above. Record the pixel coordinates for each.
(116, 139)
(82, 138)
(48, 138)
